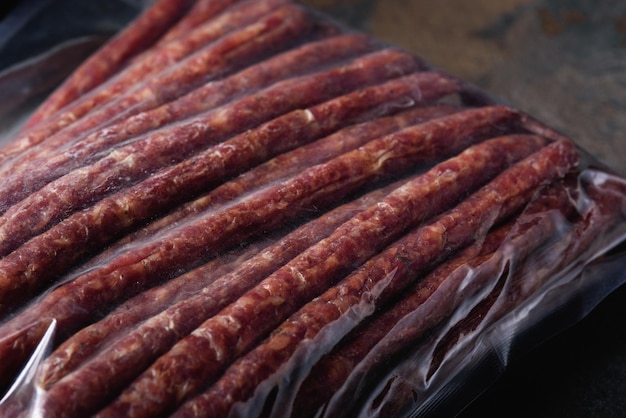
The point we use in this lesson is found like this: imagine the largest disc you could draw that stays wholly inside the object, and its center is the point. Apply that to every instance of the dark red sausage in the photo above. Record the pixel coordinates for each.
(423, 302)
(33, 175)
(276, 31)
(122, 360)
(86, 342)
(137, 36)
(129, 164)
(290, 163)
(74, 303)
(361, 105)
(428, 302)
(201, 11)
(385, 275)
(575, 225)
(268, 304)
(576, 228)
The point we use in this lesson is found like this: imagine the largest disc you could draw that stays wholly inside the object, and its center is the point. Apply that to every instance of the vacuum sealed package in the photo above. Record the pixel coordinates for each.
(244, 208)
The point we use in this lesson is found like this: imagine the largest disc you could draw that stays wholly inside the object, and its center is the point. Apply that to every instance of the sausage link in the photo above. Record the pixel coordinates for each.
(578, 228)
(276, 31)
(138, 36)
(75, 302)
(576, 225)
(123, 210)
(126, 165)
(86, 342)
(329, 375)
(201, 11)
(33, 175)
(156, 60)
(360, 105)
(124, 359)
(429, 301)
(220, 339)
(389, 273)
(283, 167)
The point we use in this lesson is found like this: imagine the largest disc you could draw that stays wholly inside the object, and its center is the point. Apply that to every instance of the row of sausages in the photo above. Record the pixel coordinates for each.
(241, 207)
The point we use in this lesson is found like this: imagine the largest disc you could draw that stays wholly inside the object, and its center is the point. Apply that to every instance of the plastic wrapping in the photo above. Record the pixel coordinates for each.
(264, 213)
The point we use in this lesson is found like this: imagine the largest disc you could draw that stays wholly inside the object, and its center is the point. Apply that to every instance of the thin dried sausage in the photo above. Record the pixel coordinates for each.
(126, 165)
(276, 31)
(394, 269)
(137, 36)
(220, 339)
(122, 360)
(75, 302)
(31, 175)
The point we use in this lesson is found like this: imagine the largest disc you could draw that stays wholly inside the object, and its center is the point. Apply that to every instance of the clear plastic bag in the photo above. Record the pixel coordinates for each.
(296, 229)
